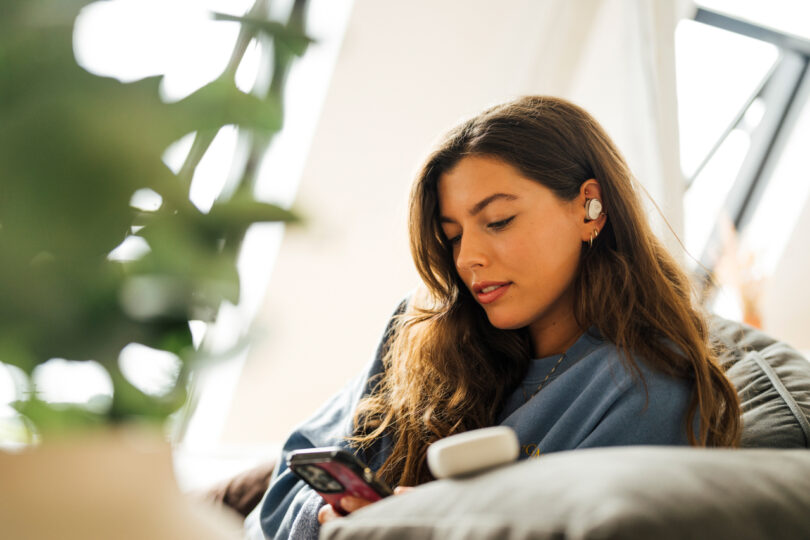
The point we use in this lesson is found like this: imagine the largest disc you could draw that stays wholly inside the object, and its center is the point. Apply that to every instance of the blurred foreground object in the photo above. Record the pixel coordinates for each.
(80, 154)
(83, 175)
(109, 484)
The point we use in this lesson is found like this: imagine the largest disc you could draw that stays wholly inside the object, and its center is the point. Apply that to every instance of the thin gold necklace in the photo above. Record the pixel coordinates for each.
(550, 373)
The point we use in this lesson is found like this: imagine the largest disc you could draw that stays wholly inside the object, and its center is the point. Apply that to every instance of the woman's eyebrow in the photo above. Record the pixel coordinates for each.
(481, 205)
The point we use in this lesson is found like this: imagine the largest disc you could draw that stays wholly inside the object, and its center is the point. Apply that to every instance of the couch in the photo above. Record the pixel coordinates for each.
(761, 490)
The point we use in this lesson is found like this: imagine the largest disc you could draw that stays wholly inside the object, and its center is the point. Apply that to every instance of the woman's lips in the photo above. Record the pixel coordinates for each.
(492, 295)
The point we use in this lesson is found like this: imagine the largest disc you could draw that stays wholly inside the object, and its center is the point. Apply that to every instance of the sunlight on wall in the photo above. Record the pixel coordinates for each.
(63, 381)
(152, 371)
(8, 390)
(13, 383)
(214, 171)
(133, 39)
(278, 179)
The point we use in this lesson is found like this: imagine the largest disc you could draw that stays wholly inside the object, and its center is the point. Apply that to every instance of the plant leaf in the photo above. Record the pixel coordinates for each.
(288, 36)
(220, 103)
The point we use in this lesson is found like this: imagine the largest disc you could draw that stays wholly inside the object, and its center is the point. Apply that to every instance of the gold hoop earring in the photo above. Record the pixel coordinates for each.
(594, 234)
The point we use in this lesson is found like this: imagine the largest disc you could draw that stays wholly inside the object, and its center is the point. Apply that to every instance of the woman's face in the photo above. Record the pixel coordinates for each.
(516, 245)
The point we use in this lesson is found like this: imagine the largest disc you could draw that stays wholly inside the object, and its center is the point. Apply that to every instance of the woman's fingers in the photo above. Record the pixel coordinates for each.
(348, 503)
(327, 513)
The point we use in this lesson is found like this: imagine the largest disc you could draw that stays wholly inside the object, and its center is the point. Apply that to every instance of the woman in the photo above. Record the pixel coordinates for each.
(548, 305)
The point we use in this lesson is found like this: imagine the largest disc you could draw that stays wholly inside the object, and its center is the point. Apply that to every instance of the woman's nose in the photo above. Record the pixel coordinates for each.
(471, 253)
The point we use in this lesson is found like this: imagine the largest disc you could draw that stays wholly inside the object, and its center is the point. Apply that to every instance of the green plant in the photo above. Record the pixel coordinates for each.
(74, 148)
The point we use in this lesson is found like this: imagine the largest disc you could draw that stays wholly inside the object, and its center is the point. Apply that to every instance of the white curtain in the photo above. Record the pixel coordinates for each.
(407, 72)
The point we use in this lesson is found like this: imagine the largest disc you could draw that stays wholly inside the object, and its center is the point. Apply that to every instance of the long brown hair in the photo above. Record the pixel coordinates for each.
(448, 370)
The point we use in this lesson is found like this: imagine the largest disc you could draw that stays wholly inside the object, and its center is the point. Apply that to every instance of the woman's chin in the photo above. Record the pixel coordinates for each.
(504, 321)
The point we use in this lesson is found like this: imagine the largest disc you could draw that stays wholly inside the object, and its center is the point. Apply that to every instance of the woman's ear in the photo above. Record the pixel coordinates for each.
(590, 189)
(591, 226)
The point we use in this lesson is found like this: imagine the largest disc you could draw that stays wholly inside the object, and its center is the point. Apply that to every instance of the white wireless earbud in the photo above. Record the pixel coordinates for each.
(593, 209)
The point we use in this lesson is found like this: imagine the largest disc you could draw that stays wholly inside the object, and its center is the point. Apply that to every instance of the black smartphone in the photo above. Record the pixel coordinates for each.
(334, 473)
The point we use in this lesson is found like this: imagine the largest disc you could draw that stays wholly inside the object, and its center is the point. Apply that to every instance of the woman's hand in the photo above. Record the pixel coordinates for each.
(350, 504)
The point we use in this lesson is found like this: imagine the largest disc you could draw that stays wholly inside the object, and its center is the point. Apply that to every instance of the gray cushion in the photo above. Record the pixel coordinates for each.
(773, 382)
(605, 493)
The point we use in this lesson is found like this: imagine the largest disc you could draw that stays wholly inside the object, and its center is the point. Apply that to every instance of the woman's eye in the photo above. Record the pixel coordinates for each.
(495, 225)
(500, 224)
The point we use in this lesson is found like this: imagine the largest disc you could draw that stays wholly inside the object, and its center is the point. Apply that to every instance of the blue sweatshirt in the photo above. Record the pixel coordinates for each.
(590, 400)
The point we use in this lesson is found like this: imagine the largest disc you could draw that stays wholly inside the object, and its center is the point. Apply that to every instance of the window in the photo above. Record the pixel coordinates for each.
(742, 89)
